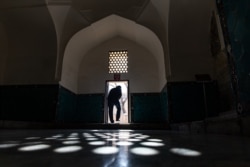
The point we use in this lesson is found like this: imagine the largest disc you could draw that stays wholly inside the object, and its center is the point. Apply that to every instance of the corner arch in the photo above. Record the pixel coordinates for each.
(101, 31)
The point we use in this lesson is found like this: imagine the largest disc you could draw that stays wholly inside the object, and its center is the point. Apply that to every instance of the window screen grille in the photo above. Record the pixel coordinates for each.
(118, 62)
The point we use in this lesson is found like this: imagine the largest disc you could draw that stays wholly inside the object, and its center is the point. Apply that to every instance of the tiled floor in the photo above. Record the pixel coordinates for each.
(120, 148)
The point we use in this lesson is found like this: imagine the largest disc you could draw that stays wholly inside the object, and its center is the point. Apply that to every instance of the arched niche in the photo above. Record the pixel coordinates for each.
(99, 32)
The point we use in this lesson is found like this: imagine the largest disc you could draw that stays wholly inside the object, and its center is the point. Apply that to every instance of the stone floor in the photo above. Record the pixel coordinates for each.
(120, 148)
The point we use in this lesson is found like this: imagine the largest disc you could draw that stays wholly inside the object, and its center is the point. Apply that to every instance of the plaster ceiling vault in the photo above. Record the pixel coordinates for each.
(181, 26)
(70, 16)
(86, 13)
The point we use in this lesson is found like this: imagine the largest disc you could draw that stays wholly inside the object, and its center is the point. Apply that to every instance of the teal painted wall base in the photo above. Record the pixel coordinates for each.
(89, 108)
(149, 108)
(80, 108)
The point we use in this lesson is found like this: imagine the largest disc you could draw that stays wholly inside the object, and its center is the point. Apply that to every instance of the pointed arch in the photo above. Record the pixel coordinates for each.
(101, 31)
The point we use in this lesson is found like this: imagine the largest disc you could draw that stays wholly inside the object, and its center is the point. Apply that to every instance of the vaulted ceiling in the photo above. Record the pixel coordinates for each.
(182, 26)
(91, 10)
(95, 9)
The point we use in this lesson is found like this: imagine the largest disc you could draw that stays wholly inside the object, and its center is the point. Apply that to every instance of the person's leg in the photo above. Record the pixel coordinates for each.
(118, 113)
(111, 112)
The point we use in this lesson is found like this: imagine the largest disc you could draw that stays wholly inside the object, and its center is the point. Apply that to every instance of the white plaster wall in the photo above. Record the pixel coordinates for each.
(91, 37)
(143, 72)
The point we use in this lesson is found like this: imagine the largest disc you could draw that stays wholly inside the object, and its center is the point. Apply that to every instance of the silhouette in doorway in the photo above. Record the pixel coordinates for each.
(113, 100)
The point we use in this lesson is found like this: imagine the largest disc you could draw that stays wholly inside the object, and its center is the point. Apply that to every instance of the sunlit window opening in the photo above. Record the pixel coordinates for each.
(118, 62)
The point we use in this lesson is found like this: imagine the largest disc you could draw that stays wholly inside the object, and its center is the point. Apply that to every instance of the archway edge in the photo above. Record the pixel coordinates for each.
(101, 31)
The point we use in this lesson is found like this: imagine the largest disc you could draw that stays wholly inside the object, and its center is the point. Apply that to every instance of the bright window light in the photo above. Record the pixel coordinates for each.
(118, 62)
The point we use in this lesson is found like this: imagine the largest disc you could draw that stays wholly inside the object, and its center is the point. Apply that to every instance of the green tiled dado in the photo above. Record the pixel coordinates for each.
(80, 108)
(148, 108)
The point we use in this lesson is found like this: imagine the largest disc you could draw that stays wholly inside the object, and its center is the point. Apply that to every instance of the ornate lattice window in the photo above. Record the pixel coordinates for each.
(118, 62)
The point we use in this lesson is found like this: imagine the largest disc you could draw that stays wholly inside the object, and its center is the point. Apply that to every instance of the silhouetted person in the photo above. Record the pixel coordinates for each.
(113, 100)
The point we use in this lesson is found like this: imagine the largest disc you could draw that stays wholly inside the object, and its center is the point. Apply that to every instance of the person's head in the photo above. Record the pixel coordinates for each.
(118, 87)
